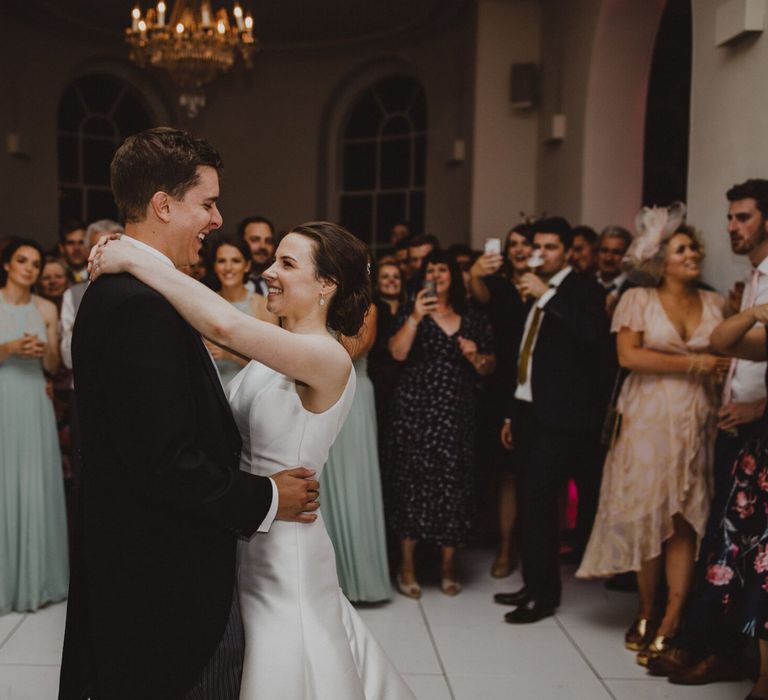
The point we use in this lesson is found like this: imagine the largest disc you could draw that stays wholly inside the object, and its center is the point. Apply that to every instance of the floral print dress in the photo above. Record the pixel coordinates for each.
(737, 571)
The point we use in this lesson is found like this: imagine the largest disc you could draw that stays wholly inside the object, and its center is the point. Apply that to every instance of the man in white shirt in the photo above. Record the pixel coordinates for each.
(708, 648)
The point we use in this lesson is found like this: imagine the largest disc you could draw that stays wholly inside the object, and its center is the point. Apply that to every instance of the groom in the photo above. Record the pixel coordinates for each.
(152, 605)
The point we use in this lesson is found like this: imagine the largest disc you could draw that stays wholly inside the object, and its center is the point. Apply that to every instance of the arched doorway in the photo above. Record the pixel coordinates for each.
(668, 108)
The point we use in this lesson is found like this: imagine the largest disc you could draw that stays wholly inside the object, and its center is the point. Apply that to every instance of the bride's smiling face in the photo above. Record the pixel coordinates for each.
(292, 279)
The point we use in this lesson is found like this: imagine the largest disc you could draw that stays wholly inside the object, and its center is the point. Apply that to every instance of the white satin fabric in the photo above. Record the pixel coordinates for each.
(303, 640)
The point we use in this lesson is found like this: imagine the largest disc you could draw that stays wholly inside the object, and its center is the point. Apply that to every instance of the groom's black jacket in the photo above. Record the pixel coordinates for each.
(162, 500)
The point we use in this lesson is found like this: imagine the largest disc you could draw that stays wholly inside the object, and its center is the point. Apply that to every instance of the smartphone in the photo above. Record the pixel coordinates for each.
(429, 285)
(492, 246)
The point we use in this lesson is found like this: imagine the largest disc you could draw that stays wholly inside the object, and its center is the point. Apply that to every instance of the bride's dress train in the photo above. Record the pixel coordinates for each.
(303, 640)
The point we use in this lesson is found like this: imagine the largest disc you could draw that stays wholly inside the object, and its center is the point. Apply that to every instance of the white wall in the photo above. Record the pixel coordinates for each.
(504, 143)
(729, 134)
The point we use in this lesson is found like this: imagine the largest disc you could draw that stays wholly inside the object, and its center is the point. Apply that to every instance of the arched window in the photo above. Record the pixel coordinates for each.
(96, 113)
(383, 160)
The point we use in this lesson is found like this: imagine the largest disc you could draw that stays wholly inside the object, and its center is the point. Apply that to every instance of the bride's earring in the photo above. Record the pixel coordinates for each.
(322, 300)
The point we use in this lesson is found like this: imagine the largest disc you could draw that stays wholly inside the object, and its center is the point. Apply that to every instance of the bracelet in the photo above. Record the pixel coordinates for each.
(412, 322)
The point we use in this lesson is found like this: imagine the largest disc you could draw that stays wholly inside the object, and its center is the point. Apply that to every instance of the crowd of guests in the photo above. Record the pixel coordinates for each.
(555, 355)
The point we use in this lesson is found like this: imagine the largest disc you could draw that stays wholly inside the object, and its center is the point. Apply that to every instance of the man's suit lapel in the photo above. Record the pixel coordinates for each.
(213, 375)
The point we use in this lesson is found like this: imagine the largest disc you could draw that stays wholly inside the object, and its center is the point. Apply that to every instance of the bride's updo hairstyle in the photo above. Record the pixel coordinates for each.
(341, 258)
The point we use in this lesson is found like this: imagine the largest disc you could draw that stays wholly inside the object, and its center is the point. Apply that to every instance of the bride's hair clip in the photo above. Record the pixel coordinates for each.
(368, 268)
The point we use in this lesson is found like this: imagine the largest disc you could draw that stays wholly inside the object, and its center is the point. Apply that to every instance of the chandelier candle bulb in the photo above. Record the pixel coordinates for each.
(179, 29)
(239, 17)
(135, 16)
(161, 14)
(220, 26)
(248, 22)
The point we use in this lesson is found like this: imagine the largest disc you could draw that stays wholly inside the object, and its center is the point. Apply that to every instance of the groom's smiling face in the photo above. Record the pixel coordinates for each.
(193, 217)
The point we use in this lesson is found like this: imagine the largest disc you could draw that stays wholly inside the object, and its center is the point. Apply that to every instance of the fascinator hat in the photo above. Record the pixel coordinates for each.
(654, 226)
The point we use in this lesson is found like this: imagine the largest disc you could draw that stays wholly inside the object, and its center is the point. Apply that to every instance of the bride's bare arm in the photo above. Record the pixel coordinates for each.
(321, 363)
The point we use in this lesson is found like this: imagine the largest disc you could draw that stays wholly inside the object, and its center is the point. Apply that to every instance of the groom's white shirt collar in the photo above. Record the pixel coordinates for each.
(153, 251)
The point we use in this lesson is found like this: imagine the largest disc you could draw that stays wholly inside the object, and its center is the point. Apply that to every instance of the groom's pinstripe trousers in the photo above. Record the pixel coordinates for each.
(220, 679)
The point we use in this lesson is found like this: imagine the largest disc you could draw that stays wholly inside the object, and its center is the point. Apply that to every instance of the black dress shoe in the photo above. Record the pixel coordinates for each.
(526, 614)
(520, 597)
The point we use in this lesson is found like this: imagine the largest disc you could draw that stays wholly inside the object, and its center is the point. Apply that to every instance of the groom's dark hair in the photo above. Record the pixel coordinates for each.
(157, 160)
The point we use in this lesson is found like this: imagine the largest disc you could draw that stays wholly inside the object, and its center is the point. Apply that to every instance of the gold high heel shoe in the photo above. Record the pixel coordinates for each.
(659, 644)
(639, 634)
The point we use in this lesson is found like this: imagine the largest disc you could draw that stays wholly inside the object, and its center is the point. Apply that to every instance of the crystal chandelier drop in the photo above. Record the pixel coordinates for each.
(194, 44)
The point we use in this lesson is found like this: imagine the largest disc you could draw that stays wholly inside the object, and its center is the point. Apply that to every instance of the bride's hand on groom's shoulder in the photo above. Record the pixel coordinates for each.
(103, 260)
(297, 495)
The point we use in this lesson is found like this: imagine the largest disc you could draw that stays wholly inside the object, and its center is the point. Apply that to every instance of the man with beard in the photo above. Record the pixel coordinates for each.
(74, 250)
(259, 233)
(708, 649)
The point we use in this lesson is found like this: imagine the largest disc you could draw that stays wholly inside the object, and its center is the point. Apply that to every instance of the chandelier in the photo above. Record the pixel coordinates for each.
(194, 44)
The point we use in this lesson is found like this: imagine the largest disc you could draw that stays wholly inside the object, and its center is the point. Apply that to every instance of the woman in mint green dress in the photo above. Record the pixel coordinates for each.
(231, 264)
(33, 524)
(350, 485)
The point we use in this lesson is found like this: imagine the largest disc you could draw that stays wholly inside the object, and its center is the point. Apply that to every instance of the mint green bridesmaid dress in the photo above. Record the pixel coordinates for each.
(352, 506)
(33, 524)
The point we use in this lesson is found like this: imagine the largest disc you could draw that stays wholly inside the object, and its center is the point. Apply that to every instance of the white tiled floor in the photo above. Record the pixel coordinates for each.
(447, 648)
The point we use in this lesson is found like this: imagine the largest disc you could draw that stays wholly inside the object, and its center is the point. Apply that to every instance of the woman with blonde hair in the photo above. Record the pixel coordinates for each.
(656, 488)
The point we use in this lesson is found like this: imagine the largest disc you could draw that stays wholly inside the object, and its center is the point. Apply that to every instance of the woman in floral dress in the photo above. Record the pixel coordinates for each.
(737, 571)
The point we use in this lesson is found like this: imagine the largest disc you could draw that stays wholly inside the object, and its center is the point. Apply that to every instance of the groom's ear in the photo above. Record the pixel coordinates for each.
(161, 206)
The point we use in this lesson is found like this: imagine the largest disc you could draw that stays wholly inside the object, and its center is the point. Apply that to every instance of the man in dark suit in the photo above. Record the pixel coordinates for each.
(152, 607)
(554, 417)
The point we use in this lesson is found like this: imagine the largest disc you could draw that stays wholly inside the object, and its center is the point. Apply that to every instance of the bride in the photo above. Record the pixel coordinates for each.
(289, 405)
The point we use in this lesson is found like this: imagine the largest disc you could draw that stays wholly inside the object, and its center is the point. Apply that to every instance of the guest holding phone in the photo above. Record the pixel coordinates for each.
(495, 282)
(429, 455)
(33, 526)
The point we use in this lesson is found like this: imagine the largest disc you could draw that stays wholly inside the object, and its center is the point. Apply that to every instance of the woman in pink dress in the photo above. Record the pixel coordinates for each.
(656, 488)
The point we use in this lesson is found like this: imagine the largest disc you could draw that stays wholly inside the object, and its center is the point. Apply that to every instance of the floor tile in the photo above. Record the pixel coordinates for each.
(604, 647)
(39, 638)
(527, 686)
(8, 624)
(428, 687)
(509, 650)
(661, 690)
(400, 628)
(29, 682)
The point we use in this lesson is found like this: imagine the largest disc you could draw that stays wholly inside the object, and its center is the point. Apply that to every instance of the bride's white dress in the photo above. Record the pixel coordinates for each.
(303, 640)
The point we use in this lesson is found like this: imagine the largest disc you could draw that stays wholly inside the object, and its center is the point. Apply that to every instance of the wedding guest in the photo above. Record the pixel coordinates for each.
(418, 249)
(656, 489)
(231, 265)
(399, 231)
(54, 280)
(444, 344)
(73, 248)
(584, 250)
(494, 281)
(736, 575)
(353, 509)
(708, 649)
(401, 255)
(389, 297)
(552, 419)
(258, 232)
(33, 528)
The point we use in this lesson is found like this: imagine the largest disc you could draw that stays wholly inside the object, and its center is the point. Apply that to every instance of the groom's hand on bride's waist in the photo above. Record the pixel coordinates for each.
(297, 495)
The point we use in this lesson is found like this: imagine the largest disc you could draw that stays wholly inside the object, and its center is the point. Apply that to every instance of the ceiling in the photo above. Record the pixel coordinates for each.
(279, 24)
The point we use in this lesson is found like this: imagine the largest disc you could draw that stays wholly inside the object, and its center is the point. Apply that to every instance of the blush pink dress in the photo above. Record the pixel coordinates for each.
(661, 463)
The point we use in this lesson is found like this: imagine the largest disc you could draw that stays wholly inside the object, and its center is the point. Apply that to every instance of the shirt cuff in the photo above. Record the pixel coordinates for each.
(267, 522)
(544, 298)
